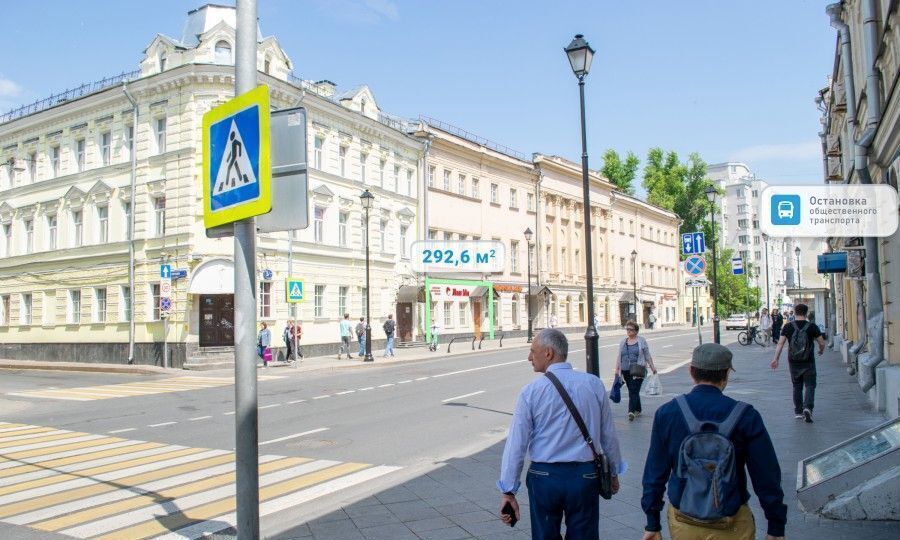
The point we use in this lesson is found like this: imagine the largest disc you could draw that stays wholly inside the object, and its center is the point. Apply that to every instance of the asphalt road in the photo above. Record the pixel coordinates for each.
(407, 415)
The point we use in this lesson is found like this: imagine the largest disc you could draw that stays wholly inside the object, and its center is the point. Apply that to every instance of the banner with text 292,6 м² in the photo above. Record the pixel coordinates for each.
(237, 168)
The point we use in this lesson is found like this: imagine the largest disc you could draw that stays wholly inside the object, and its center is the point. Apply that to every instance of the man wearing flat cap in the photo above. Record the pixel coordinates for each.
(700, 419)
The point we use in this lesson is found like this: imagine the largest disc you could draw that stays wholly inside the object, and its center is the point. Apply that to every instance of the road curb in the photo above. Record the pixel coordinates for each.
(88, 368)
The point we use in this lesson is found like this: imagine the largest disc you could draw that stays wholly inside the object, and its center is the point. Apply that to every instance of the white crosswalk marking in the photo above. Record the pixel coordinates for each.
(85, 485)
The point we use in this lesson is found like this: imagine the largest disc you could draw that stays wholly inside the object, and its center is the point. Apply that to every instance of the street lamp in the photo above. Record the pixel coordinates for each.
(367, 199)
(799, 287)
(528, 235)
(580, 56)
(711, 197)
(634, 281)
(766, 245)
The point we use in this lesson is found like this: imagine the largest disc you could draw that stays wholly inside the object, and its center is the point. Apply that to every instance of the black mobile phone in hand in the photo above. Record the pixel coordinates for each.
(507, 510)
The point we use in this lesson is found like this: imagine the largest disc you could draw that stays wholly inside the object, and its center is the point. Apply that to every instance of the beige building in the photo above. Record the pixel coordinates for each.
(66, 203)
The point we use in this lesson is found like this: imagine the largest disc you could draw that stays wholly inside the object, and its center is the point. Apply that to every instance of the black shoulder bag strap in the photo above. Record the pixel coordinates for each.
(604, 475)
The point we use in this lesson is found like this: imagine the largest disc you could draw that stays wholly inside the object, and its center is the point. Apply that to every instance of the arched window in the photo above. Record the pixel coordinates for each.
(223, 52)
(267, 64)
(162, 61)
(581, 314)
(515, 310)
(569, 309)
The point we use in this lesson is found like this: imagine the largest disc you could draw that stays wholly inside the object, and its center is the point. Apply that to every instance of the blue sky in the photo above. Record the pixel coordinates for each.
(732, 80)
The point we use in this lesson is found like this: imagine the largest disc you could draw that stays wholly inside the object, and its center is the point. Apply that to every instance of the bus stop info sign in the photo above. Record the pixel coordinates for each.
(236, 161)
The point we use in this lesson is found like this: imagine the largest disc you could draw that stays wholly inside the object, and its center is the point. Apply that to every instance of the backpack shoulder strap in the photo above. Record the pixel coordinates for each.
(693, 424)
(728, 425)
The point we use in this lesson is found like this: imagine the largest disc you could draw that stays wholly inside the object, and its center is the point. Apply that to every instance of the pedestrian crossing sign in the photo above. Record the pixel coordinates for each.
(236, 160)
(293, 289)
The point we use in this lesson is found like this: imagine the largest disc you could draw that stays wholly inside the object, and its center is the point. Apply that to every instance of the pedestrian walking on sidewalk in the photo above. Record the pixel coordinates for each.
(263, 344)
(765, 326)
(777, 323)
(435, 335)
(562, 477)
(288, 337)
(389, 327)
(345, 328)
(361, 336)
(801, 337)
(701, 439)
(631, 363)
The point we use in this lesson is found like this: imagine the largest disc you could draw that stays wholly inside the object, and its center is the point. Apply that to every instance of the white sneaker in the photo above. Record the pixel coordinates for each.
(631, 417)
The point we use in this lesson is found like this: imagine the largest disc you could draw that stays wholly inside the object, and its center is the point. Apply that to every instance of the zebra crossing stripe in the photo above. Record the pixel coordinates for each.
(42, 458)
(32, 472)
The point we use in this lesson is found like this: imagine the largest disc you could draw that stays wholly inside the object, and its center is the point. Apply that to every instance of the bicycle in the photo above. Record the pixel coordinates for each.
(751, 335)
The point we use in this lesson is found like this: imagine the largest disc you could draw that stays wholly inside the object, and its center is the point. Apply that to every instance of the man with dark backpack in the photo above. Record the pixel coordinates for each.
(801, 336)
(389, 327)
(703, 444)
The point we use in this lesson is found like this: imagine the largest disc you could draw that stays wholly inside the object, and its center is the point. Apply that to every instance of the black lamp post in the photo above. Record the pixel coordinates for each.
(528, 235)
(711, 197)
(580, 56)
(766, 244)
(367, 200)
(799, 287)
(634, 282)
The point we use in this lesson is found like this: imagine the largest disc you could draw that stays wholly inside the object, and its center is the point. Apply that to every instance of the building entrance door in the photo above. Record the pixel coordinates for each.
(404, 321)
(216, 320)
(476, 317)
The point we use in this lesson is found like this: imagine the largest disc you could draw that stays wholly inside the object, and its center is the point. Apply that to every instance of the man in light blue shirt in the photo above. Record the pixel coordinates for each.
(561, 478)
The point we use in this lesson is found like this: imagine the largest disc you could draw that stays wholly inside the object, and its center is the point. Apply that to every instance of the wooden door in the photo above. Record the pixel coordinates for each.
(216, 320)
(404, 321)
(476, 316)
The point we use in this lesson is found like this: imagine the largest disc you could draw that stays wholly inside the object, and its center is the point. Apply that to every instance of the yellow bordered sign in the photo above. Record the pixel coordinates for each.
(237, 170)
(293, 290)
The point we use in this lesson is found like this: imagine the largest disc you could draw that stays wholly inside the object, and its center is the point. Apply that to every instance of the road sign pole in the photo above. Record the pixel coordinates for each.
(245, 398)
(697, 314)
(166, 342)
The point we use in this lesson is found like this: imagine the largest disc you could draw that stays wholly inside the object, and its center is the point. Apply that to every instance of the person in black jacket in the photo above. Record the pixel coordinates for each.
(777, 323)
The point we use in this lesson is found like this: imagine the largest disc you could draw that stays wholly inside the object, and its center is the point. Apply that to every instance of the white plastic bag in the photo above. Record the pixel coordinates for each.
(652, 386)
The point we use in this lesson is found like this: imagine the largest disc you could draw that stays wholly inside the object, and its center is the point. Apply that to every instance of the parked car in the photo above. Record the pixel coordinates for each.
(736, 322)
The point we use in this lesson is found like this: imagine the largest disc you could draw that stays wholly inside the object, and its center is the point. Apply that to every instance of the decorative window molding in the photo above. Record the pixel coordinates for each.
(345, 203)
(74, 198)
(322, 194)
(406, 216)
(100, 192)
(157, 188)
(6, 212)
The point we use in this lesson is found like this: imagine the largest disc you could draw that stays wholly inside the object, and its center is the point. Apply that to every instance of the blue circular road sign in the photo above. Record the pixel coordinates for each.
(695, 265)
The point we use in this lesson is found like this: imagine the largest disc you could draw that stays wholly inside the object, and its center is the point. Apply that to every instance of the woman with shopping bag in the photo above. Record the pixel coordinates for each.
(632, 361)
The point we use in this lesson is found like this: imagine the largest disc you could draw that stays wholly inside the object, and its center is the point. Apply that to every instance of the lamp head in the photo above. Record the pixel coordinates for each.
(711, 194)
(367, 199)
(580, 56)
(528, 235)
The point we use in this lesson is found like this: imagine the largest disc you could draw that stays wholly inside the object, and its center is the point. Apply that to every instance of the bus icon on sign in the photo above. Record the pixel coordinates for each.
(785, 210)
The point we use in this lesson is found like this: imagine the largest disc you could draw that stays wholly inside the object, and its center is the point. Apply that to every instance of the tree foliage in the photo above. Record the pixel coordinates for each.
(734, 294)
(620, 173)
(678, 187)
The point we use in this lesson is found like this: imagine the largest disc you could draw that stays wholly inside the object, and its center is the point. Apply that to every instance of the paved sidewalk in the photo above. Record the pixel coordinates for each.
(458, 500)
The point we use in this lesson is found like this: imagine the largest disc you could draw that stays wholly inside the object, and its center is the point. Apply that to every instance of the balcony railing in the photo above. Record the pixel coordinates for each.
(459, 132)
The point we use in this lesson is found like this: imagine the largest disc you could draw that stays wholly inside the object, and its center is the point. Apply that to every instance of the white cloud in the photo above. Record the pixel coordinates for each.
(366, 12)
(9, 88)
(801, 151)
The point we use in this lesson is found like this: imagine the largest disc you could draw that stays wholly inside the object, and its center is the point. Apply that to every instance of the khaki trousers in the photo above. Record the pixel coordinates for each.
(741, 526)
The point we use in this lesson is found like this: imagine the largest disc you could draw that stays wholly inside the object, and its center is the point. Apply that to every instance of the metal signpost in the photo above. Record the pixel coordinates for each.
(693, 243)
(165, 306)
(695, 266)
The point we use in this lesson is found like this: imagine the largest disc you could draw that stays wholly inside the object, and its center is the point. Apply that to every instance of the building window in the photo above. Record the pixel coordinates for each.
(643, 232)
(4, 309)
(448, 314)
(160, 135)
(432, 234)
(362, 167)
(382, 235)
(564, 262)
(125, 303)
(495, 194)
(319, 145)
(463, 314)
(364, 299)
(100, 304)
(397, 178)
(529, 202)
(265, 299)
(74, 315)
(126, 209)
(578, 262)
(29, 235)
(409, 182)
(32, 166)
(7, 239)
(513, 198)
(381, 165)
(159, 215)
(51, 231)
(162, 61)
(318, 224)
(54, 161)
(742, 223)
(403, 231)
(267, 65)
(223, 52)
(515, 310)
(343, 218)
(621, 225)
(461, 188)
(77, 228)
(25, 309)
(343, 292)
(319, 301)
(744, 239)
(105, 147)
(103, 224)
(129, 139)
(446, 180)
(476, 189)
(154, 302)
(622, 270)
(342, 161)
(513, 256)
(448, 236)
(431, 176)
(79, 155)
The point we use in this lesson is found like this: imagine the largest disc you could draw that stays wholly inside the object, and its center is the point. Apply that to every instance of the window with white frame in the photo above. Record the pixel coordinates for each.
(513, 256)
(318, 224)
(495, 193)
(431, 175)
(342, 161)
(381, 165)
(222, 52)
(160, 135)
(463, 314)
(48, 308)
(99, 311)
(159, 215)
(397, 178)
(265, 299)
(364, 298)
(128, 141)
(515, 309)
(531, 255)
(74, 307)
(52, 227)
(4, 309)
(77, 228)
(54, 161)
(319, 301)
(622, 270)
(162, 61)
(105, 148)
(126, 209)
(448, 314)
(432, 234)
(124, 303)
(403, 231)
(32, 166)
(343, 219)
(154, 302)
(513, 198)
(343, 293)
(448, 235)
(363, 158)
(461, 188)
(318, 149)
(7, 240)
(529, 202)
(382, 235)
(564, 261)
(79, 155)
(476, 188)
(103, 224)
(29, 235)
(409, 182)
(577, 262)
(744, 239)
(25, 309)
(446, 180)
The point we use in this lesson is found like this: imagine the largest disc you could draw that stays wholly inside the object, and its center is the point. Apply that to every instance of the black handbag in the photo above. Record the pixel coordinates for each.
(601, 462)
(638, 371)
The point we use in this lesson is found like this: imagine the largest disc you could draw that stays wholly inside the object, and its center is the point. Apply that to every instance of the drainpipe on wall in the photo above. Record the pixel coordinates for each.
(423, 216)
(833, 338)
(537, 239)
(134, 112)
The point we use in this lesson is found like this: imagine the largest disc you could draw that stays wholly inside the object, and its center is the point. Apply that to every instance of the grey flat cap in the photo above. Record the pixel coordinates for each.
(712, 357)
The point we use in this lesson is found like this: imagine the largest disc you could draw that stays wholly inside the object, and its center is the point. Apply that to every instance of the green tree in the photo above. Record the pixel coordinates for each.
(734, 294)
(620, 173)
(678, 187)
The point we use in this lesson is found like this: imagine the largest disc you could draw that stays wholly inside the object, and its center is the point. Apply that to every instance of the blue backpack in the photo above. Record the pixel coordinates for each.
(707, 464)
